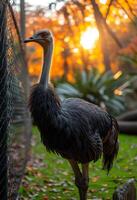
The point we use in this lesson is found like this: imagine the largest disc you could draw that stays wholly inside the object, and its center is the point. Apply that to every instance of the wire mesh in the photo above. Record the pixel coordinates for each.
(3, 106)
(15, 122)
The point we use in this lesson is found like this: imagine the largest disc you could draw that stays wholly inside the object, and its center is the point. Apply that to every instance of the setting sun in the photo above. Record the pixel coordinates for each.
(103, 1)
(89, 38)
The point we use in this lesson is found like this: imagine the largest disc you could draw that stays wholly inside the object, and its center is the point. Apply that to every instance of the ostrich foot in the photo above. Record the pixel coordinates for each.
(81, 178)
(82, 184)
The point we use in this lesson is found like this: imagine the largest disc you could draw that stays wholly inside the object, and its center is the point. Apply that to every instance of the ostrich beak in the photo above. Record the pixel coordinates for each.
(31, 39)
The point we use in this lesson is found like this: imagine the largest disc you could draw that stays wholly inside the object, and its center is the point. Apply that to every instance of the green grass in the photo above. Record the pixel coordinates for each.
(49, 176)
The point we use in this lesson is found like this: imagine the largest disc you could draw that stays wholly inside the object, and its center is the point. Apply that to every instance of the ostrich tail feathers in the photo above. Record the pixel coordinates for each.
(111, 146)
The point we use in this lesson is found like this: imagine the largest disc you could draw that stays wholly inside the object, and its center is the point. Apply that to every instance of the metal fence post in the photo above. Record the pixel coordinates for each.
(3, 103)
(22, 18)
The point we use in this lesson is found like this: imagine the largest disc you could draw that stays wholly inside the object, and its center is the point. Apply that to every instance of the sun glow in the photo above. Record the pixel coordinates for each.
(89, 37)
(103, 1)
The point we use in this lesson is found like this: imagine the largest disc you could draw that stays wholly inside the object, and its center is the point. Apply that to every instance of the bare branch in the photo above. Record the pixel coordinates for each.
(125, 11)
(130, 8)
(108, 10)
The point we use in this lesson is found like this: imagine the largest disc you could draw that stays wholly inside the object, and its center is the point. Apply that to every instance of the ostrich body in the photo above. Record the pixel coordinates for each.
(77, 130)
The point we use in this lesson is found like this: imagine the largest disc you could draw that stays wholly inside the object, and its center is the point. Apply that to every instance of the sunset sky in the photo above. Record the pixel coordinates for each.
(39, 2)
(44, 3)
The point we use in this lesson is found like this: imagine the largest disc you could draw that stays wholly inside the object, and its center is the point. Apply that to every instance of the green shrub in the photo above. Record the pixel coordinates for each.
(107, 90)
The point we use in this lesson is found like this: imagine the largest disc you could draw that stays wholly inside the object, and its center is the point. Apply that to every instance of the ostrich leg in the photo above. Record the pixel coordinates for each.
(85, 174)
(81, 179)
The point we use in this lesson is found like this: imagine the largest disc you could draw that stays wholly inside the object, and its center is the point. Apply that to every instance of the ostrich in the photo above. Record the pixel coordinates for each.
(77, 130)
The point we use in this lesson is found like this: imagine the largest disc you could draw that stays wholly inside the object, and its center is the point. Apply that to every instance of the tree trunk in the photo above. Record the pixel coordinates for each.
(104, 28)
(128, 122)
(102, 35)
(66, 69)
(103, 22)
(128, 127)
(128, 116)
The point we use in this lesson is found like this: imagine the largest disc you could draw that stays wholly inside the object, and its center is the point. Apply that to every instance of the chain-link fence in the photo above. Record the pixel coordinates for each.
(15, 125)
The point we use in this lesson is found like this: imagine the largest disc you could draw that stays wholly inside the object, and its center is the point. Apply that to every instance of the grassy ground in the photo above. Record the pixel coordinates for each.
(49, 177)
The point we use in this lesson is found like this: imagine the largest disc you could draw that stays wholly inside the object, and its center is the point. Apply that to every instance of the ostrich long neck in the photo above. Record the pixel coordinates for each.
(47, 58)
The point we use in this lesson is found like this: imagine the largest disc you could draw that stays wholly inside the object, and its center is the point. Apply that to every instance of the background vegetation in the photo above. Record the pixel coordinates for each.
(107, 90)
(95, 33)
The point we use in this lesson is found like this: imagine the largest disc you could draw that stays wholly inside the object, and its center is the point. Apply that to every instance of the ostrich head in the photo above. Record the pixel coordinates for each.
(45, 39)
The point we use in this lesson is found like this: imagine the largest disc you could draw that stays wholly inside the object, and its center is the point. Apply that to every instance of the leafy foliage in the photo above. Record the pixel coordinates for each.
(106, 90)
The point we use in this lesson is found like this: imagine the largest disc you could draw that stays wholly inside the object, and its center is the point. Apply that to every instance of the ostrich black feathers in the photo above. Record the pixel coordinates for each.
(110, 146)
(74, 128)
(77, 130)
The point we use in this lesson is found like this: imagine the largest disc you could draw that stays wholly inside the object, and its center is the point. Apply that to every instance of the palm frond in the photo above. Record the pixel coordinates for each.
(100, 88)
